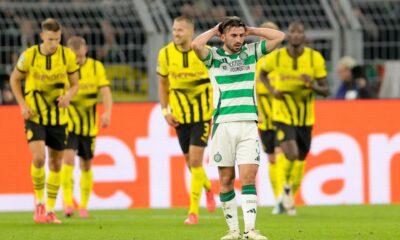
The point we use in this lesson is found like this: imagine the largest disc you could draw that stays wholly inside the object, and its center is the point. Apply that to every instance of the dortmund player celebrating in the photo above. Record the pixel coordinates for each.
(185, 87)
(82, 125)
(48, 68)
(302, 74)
(234, 133)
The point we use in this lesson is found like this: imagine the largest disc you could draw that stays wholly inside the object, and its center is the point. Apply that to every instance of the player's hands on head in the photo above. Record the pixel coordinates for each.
(63, 101)
(171, 120)
(105, 120)
(27, 112)
(217, 31)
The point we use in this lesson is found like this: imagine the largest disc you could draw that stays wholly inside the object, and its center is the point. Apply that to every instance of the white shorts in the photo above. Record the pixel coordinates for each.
(235, 141)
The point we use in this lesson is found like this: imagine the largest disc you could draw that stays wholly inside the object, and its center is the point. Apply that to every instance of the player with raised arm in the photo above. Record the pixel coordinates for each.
(234, 134)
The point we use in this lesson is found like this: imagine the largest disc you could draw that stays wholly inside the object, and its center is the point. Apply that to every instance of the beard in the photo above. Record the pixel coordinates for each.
(234, 49)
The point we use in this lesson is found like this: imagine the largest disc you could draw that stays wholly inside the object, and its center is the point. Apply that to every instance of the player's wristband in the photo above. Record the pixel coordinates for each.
(165, 112)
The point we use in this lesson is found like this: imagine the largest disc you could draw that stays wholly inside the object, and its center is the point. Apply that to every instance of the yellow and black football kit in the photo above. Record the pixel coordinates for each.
(190, 94)
(264, 99)
(83, 117)
(294, 114)
(46, 80)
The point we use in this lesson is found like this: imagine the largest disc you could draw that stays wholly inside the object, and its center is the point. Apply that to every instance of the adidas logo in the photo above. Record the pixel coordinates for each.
(228, 216)
(253, 210)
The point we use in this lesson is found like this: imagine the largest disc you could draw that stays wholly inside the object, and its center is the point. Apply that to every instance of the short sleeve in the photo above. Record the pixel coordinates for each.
(269, 63)
(260, 49)
(162, 65)
(101, 75)
(209, 59)
(72, 64)
(319, 65)
(23, 62)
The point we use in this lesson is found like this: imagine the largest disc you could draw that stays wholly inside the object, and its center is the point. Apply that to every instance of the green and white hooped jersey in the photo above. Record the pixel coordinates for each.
(233, 80)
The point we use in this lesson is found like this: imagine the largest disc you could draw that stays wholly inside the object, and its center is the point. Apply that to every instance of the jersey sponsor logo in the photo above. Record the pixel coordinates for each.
(51, 77)
(217, 157)
(235, 66)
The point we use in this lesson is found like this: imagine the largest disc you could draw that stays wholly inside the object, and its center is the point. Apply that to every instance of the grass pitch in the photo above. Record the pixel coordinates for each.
(378, 222)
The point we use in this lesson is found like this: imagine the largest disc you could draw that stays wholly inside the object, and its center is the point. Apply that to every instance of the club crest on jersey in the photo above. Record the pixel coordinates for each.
(217, 157)
(225, 66)
(243, 55)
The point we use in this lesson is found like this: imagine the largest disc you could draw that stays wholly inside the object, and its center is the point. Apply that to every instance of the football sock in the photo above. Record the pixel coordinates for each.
(229, 207)
(67, 183)
(196, 185)
(86, 186)
(53, 184)
(38, 179)
(249, 206)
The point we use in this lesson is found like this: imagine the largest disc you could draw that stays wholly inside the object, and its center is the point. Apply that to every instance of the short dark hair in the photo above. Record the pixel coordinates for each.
(185, 19)
(50, 24)
(296, 23)
(231, 21)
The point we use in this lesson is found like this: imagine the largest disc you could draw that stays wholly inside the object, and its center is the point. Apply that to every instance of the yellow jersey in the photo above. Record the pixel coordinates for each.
(297, 106)
(190, 92)
(264, 97)
(46, 80)
(83, 117)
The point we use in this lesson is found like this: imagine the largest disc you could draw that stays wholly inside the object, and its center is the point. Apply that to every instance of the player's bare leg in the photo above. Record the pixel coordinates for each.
(67, 181)
(38, 179)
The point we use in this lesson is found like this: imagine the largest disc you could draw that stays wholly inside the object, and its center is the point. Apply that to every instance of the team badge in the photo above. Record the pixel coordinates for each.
(224, 66)
(243, 55)
(29, 134)
(280, 135)
(217, 157)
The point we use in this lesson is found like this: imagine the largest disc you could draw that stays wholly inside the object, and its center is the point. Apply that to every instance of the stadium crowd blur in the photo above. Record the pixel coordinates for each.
(20, 30)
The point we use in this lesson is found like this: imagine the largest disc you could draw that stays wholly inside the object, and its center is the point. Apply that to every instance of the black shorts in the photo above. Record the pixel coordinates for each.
(54, 137)
(268, 140)
(193, 134)
(84, 145)
(302, 136)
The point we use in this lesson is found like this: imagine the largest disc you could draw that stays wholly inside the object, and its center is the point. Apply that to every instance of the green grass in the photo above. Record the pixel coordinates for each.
(378, 222)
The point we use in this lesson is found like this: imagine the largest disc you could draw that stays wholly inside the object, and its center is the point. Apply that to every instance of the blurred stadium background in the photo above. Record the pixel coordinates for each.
(127, 34)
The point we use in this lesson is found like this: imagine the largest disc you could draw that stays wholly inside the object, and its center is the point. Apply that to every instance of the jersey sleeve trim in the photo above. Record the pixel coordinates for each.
(69, 73)
(264, 47)
(21, 71)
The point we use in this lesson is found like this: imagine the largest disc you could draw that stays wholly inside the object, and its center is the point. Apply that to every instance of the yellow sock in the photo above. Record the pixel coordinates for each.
(196, 186)
(207, 182)
(86, 187)
(297, 174)
(38, 179)
(53, 184)
(287, 166)
(279, 158)
(67, 184)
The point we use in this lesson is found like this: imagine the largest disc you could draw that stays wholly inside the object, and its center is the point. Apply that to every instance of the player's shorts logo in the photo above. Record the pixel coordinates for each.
(217, 157)
(29, 134)
(280, 135)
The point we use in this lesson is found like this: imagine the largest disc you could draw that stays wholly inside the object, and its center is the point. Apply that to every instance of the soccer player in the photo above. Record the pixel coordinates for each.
(185, 87)
(82, 125)
(267, 128)
(234, 133)
(48, 68)
(302, 74)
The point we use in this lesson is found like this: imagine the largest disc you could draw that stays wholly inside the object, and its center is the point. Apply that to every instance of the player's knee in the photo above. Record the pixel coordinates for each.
(271, 158)
(55, 164)
(249, 178)
(39, 159)
(292, 156)
(85, 165)
(195, 162)
(227, 181)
